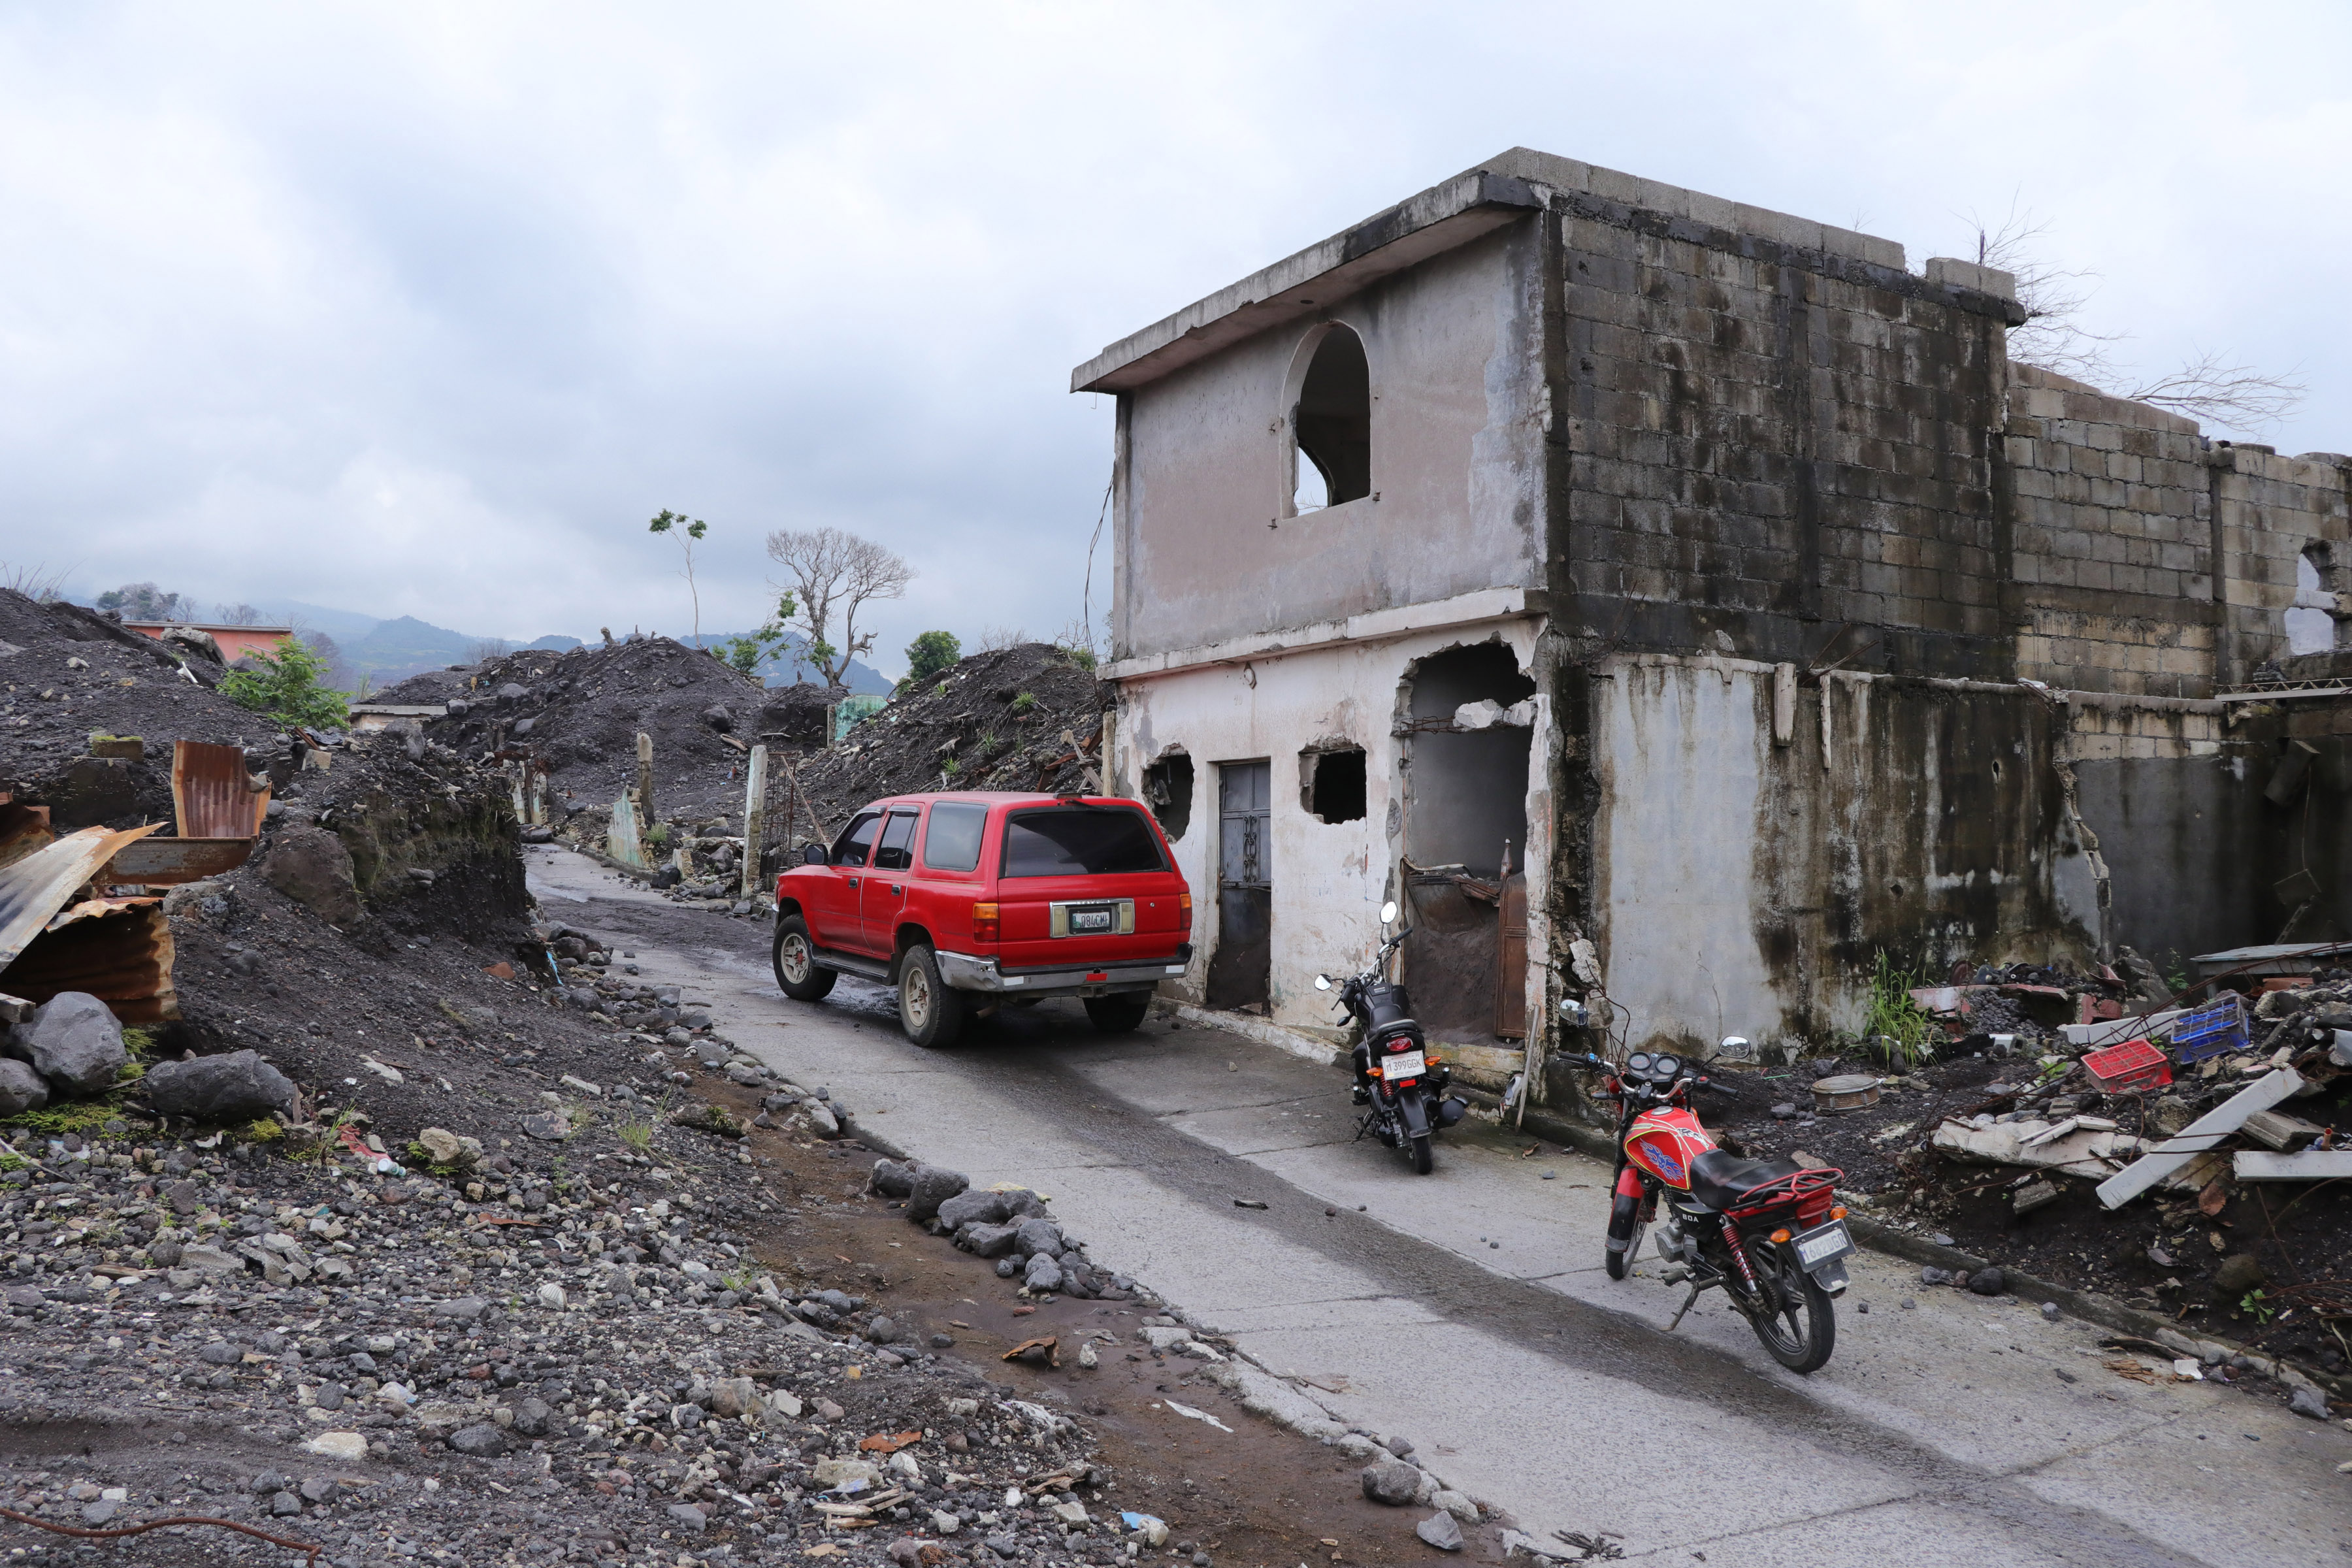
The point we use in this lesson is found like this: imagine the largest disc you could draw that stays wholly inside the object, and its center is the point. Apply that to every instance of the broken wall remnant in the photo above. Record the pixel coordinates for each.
(1841, 632)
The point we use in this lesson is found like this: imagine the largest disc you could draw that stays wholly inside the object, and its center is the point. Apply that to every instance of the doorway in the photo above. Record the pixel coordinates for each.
(1239, 972)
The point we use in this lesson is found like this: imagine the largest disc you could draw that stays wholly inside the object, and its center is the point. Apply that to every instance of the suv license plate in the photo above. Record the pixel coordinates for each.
(1091, 921)
(1823, 1243)
(1404, 1065)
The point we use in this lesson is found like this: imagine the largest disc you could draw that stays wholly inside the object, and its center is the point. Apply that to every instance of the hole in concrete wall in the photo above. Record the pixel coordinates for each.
(1469, 786)
(2309, 627)
(1334, 424)
(1332, 782)
(1168, 791)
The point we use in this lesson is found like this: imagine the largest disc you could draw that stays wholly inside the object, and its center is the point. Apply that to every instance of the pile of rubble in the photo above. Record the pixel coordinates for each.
(1022, 718)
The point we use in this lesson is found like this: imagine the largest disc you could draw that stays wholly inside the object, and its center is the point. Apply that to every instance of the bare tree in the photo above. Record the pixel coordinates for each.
(488, 648)
(836, 573)
(2207, 386)
(37, 583)
(340, 673)
(237, 615)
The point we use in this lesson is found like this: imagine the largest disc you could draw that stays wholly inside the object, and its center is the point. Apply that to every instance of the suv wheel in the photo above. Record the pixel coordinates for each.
(798, 974)
(1120, 1012)
(931, 1013)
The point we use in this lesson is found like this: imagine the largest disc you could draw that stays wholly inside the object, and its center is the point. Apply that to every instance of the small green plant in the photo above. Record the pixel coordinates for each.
(1896, 1027)
(636, 1132)
(2256, 1305)
(657, 835)
(139, 1042)
(746, 654)
(266, 1130)
(290, 688)
(1025, 702)
(2176, 971)
(949, 768)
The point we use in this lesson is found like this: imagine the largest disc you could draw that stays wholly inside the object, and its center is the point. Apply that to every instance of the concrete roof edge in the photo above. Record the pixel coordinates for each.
(1569, 174)
(1417, 215)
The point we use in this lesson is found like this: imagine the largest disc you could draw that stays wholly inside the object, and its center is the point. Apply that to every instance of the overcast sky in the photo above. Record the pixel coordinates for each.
(426, 309)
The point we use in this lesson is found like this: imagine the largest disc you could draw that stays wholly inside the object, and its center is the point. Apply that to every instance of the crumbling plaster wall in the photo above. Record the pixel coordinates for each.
(1744, 884)
(1328, 880)
(1205, 549)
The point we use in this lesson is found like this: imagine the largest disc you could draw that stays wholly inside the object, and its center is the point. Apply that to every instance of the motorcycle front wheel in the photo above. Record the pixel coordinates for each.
(1624, 1224)
(1422, 1160)
(1798, 1324)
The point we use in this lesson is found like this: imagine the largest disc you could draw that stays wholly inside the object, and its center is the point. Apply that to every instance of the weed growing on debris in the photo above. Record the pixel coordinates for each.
(1896, 1029)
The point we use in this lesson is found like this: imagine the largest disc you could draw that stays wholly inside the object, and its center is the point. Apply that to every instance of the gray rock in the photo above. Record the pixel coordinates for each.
(483, 1440)
(2237, 1275)
(311, 865)
(21, 1089)
(220, 1354)
(881, 1330)
(1392, 1482)
(1441, 1531)
(730, 1397)
(2308, 1401)
(285, 1504)
(686, 1516)
(718, 719)
(1002, 1545)
(100, 1512)
(532, 1416)
(465, 1309)
(1784, 1110)
(330, 1396)
(891, 1179)
(1401, 1447)
(1042, 1273)
(2050, 1311)
(547, 1126)
(990, 1240)
(1038, 1235)
(1931, 1274)
(1988, 1282)
(1007, 1267)
(71, 1040)
(933, 1186)
(233, 1087)
(988, 1207)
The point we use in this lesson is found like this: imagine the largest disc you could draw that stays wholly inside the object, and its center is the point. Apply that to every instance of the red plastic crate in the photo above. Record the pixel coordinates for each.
(2135, 1064)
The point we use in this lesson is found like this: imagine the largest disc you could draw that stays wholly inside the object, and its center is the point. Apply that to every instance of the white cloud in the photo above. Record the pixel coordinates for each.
(534, 273)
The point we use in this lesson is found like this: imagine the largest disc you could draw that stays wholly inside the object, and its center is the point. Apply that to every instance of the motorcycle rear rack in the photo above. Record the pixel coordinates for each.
(1783, 1190)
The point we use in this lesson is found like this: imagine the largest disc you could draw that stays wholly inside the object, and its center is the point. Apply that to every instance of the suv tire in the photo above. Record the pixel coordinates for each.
(798, 975)
(931, 1013)
(1119, 1013)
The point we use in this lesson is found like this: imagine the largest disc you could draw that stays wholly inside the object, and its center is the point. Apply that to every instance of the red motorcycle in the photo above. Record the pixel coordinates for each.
(1771, 1232)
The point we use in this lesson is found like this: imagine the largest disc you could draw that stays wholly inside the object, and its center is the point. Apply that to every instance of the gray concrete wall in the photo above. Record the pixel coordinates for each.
(1206, 550)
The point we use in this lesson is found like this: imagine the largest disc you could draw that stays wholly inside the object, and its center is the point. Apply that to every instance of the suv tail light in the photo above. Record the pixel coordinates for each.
(984, 922)
(1187, 904)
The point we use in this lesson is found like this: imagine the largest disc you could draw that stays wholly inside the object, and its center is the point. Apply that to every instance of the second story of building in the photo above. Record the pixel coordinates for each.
(1677, 423)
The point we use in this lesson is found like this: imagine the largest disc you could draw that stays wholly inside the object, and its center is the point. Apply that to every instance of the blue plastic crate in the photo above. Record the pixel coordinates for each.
(2210, 1031)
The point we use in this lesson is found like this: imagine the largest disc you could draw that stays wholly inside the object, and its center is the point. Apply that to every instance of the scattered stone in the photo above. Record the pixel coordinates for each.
(2050, 1313)
(73, 1041)
(1392, 1482)
(346, 1446)
(686, 1516)
(2308, 1401)
(231, 1087)
(2237, 1274)
(1930, 1275)
(1988, 1281)
(1441, 1531)
(548, 1127)
(21, 1089)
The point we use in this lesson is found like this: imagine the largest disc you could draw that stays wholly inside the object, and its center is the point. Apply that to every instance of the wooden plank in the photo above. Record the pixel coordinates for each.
(2310, 1165)
(160, 861)
(2199, 1137)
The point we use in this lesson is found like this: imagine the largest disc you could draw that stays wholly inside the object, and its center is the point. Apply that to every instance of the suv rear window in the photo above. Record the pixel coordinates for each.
(1080, 841)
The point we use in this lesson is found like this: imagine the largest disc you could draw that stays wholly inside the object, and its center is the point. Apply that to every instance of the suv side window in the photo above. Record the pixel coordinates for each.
(896, 853)
(850, 848)
(952, 843)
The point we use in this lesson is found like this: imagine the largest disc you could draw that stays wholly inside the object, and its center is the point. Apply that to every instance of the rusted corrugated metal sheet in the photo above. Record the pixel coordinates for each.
(117, 950)
(163, 861)
(36, 887)
(212, 794)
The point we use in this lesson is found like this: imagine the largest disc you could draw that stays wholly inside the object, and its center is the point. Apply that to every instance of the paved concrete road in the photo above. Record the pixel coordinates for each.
(1468, 1310)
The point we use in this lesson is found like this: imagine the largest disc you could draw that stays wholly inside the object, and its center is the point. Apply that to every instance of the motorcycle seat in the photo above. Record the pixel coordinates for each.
(1720, 1180)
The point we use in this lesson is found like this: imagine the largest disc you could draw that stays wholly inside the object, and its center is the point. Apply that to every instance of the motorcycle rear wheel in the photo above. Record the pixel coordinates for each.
(1624, 1224)
(1801, 1334)
(1422, 1159)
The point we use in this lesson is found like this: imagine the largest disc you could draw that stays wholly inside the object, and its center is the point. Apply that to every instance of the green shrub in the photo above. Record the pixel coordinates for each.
(290, 688)
(1896, 1029)
(930, 654)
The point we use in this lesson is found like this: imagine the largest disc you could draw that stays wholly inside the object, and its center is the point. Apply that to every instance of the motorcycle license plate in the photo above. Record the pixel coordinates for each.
(1404, 1065)
(1823, 1243)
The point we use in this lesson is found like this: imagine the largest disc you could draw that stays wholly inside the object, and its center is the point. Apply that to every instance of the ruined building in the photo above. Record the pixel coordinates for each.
(1669, 598)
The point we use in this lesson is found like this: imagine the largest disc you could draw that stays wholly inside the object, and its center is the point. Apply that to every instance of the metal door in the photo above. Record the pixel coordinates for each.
(1238, 972)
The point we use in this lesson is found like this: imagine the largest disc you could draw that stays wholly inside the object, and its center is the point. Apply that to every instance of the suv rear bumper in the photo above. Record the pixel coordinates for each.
(965, 973)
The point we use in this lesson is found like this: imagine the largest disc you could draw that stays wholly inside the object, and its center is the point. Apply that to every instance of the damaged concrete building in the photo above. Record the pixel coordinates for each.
(1678, 601)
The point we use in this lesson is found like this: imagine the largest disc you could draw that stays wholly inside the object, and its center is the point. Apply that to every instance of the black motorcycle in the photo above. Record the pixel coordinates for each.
(1400, 1083)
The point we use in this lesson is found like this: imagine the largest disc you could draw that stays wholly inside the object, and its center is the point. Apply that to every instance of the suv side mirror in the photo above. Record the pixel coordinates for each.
(814, 854)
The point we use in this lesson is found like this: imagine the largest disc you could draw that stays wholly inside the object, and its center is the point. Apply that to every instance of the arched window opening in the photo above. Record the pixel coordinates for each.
(2309, 626)
(1333, 423)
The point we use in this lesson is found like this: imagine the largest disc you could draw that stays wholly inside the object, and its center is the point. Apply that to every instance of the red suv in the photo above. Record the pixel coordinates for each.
(969, 902)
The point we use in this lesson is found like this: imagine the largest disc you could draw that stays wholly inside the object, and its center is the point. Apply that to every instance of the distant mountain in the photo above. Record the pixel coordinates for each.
(787, 666)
